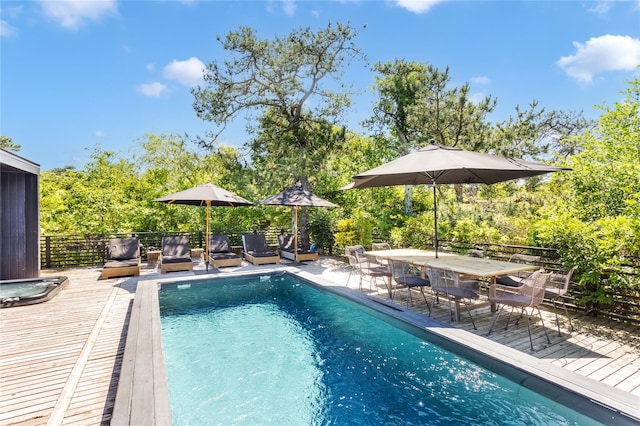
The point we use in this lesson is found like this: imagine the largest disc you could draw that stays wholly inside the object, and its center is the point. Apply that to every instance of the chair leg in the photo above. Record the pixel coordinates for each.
(543, 326)
(529, 330)
(468, 307)
(425, 300)
(555, 310)
(348, 277)
(566, 312)
(495, 319)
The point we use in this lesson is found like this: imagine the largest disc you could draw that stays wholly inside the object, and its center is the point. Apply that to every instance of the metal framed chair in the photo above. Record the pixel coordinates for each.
(516, 280)
(529, 295)
(445, 282)
(405, 276)
(350, 253)
(374, 271)
(557, 287)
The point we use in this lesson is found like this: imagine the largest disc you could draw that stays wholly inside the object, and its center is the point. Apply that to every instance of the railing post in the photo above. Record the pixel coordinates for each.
(47, 251)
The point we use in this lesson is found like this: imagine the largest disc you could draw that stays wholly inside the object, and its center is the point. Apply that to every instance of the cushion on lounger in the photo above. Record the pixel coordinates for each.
(219, 244)
(175, 259)
(121, 263)
(124, 248)
(223, 256)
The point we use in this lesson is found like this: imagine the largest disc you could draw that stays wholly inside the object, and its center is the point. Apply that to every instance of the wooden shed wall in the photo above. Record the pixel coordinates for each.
(19, 224)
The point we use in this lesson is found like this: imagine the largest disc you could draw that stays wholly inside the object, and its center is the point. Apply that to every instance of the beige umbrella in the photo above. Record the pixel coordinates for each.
(208, 195)
(436, 164)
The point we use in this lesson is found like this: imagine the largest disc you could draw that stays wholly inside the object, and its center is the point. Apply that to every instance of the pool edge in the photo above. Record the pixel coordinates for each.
(143, 390)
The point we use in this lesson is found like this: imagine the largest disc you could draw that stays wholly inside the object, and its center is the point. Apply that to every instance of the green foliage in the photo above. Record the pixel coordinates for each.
(8, 144)
(355, 229)
(467, 230)
(321, 226)
(415, 232)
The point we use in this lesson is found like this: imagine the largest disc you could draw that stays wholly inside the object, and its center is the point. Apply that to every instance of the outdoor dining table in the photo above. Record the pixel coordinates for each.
(467, 266)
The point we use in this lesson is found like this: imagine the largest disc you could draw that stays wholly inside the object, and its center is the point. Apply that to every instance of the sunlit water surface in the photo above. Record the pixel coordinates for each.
(273, 350)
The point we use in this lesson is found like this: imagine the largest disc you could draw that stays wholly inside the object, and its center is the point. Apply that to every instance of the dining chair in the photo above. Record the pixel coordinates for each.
(447, 283)
(404, 274)
(557, 287)
(529, 295)
(373, 271)
(350, 253)
(515, 280)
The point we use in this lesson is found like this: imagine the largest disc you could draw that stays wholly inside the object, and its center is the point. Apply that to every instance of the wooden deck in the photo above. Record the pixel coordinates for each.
(60, 360)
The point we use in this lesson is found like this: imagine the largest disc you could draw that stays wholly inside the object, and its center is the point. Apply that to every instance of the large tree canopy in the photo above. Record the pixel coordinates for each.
(285, 83)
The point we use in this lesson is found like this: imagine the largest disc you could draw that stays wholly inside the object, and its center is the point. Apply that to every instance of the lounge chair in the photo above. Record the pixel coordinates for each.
(257, 251)
(175, 254)
(286, 244)
(123, 258)
(220, 254)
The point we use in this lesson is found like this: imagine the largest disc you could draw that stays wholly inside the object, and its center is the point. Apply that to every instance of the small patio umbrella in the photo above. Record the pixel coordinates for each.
(295, 197)
(436, 164)
(208, 195)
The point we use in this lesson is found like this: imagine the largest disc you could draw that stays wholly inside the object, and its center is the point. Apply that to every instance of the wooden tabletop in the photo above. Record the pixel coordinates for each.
(465, 265)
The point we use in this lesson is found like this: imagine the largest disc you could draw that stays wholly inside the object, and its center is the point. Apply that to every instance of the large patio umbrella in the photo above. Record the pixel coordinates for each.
(296, 197)
(436, 164)
(208, 195)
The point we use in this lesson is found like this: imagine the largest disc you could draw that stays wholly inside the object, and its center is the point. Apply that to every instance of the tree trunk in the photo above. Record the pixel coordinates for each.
(408, 203)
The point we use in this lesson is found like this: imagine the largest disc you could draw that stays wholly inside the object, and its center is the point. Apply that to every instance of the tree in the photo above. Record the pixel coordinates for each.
(535, 133)
(416, 105)
(8, 144)
(605, 181)
(286, 82)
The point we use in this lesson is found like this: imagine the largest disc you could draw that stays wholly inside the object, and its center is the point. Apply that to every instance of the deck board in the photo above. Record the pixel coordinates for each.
(43, 344)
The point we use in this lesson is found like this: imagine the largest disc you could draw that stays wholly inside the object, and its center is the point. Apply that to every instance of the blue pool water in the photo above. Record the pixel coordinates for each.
(273, 350)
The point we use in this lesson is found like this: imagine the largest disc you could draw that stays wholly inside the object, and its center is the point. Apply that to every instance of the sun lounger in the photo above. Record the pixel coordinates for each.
(257, 251)
(286, 244)
(175, 254)
(123, 258)
(220, 254)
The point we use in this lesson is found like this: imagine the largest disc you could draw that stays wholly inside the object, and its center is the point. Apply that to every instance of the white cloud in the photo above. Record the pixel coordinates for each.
(150, 67)
(7, 30)
(100, 134)
(477, 97)
(481, 79)
(600, 6)
(189, 72)
(152, 90)
(72, 14)
(289, 7)
(601, 54)
(417, 6)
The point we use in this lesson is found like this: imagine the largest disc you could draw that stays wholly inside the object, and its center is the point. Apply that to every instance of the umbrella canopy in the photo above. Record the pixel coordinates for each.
(295, 197)
(436, 164)
(208, 195)
(205, 194)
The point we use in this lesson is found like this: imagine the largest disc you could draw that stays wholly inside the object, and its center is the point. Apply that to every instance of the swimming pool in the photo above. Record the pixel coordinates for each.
(272, 349)
(30, 290)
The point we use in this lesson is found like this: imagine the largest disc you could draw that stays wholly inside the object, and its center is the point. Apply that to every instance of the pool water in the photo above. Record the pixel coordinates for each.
(273, 350)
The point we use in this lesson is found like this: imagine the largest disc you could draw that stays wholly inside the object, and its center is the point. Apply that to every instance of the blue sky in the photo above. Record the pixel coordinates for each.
(76, 74)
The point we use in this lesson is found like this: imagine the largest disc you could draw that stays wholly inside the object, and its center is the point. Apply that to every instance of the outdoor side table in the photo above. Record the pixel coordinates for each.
(153, 257)
(196, 253)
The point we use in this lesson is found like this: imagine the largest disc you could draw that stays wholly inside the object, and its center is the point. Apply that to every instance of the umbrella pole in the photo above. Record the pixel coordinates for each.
(295, 233)
(435, 219)
(206, 240)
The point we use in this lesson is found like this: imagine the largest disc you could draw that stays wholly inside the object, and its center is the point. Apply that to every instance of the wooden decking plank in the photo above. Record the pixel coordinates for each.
(42, 342)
